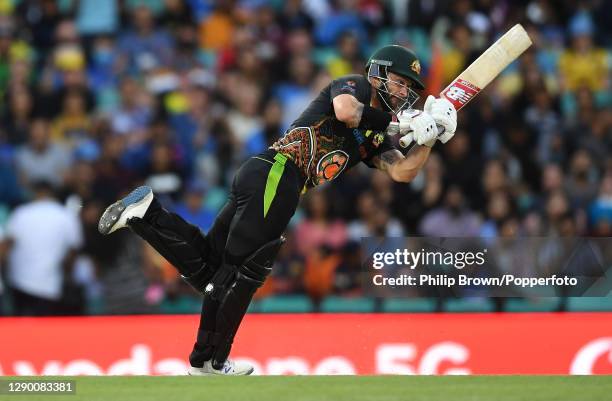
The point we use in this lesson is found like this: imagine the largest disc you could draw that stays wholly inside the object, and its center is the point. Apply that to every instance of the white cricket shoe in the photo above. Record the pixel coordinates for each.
(135, 204)
(230, 368)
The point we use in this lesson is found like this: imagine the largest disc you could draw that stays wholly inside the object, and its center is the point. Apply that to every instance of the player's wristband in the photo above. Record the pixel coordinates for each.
(374, 119)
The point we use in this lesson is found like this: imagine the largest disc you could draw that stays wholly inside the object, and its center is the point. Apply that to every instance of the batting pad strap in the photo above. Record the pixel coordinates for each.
(274, 177)
(221, 281)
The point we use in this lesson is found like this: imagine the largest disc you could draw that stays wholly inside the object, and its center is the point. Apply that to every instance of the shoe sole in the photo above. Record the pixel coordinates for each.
(135, 204)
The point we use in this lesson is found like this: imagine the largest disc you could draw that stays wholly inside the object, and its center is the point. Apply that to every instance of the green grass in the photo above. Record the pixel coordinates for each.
(335, 388)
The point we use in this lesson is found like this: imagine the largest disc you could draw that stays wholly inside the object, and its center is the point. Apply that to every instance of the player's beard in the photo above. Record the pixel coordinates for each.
(396, 102)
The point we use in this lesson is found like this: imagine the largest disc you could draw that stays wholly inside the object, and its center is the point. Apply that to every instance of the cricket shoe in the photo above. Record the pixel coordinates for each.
(229, 368)
(117, 215)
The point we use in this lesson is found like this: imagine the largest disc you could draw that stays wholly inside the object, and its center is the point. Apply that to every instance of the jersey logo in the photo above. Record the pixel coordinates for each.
(378, 139)
(358, 134)
(331, 165)
(360, 137)
(348, 88)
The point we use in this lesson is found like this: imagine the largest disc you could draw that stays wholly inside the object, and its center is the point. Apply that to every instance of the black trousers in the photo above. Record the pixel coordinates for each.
(25, 304)
(240, 229)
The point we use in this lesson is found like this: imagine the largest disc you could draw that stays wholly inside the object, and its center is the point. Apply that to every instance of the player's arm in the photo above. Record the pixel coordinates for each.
(350, 101)
(355, 114)
(348, 109)
(399, 167)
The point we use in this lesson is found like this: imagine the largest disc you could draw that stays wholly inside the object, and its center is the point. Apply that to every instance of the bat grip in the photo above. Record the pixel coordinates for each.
(407, 139)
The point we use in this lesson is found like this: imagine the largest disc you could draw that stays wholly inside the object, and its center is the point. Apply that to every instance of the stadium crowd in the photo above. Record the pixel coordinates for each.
(98, 96)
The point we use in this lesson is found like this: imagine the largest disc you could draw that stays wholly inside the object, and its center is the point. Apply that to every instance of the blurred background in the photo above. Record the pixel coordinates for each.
(99, 96)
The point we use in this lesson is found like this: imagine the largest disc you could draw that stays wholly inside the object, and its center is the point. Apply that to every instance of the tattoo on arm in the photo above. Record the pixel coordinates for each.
(356, 118)
(348, 109)
(386, 159)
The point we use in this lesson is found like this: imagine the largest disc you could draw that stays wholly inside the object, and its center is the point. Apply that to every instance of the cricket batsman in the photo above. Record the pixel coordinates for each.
(350, 121)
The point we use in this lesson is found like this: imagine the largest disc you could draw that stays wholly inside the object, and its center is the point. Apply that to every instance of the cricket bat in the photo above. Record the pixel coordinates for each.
(482, 71)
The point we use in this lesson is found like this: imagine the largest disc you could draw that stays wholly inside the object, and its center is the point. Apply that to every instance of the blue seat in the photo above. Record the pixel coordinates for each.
(181, 305)
(421, 305)
(589, 304)
(531, 305)
(468, 305)
(284, 304)
(343, 304)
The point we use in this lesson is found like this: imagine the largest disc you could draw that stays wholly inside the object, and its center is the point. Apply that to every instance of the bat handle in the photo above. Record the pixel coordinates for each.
(407, 139)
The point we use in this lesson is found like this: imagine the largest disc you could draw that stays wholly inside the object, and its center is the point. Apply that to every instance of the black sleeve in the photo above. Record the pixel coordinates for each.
(359, 87)
(352, 85)
(385, 146)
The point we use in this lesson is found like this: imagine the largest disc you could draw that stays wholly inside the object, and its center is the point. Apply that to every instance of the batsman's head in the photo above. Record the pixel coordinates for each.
(394, 70)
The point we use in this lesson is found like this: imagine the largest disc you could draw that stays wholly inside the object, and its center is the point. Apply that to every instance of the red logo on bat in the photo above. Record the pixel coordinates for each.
(460, 92)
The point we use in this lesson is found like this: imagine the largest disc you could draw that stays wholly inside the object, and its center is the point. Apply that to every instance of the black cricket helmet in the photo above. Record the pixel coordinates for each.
(398, 60)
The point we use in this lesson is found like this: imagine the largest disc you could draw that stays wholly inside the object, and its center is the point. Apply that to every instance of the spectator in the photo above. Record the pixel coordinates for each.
(499, 210)
(460, 165)
(176, 15)
(11, 192)
(289, 269)
(18, 116)
(42, 238)
(124, 267)
(273, 114)
(192, 207)
(494, 177)
(423, 194)
(295, 94)
(342, 19)
(134, 114)
(103, 68)
(583, 64)
(374, 220)
(96, 17)
(244, 121)
(73, 125)
(164, 174)
(453, 219)
(542, 118)
(600, 211)
(457, 55)
(42, 18)
(66, 75)
(217, 29)
(349, 59)
(349, 275)
(581, 182)
(298, 43)
(41, 159)
(145, 47)
(318, 229)
(293, 16)
(6, 42)
(79, 184)
(552, 178)
(112, 176)
(557, 206)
